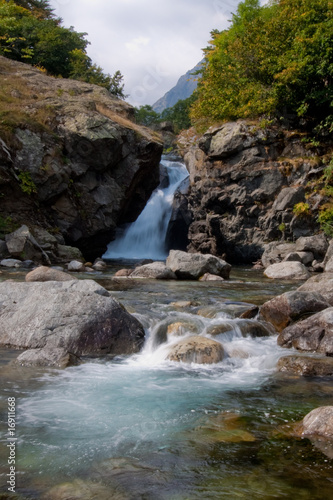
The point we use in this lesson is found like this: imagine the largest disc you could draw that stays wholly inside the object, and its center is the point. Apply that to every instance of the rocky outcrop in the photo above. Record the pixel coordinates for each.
(244, 183)
(79, 317)
(193, 266)
(79, 164)
(197, 349)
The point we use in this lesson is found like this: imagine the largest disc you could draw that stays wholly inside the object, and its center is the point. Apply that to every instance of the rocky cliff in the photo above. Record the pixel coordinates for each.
(245, 181)
(71, 159)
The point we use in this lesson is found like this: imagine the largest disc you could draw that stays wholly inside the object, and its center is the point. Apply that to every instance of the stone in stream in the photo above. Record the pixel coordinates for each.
(44, 273)
(197, 349)
(58, 358)
(314, 334)
(318, 422)
(291, 306)
(287, 270)
(191, 266)
(85, 490)
(78, 316)
(306, 366)
(155, 270)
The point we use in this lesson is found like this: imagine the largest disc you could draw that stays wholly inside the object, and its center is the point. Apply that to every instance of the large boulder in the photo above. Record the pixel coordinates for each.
(197, 349)
(155, 270)
(56, 357)
(79, 317)
(306, 366)
(291, 306)
(321, 283)
(275, 252)
(287, 270)
(192, 266)
(316, 244)
(22, 244)
(314, 334)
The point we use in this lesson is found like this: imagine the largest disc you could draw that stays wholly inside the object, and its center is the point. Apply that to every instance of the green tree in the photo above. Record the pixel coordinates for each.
(145, 115)
(179, 114)
(29, 32)
(276, 58)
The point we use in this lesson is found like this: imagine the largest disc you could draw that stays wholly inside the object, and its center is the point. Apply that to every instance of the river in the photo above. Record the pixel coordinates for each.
(143, 427)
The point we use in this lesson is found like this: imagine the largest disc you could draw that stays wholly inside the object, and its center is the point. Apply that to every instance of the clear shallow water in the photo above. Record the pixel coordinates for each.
(144, 427)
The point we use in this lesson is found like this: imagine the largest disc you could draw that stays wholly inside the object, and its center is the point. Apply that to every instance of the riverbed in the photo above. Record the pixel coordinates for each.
(143, 427)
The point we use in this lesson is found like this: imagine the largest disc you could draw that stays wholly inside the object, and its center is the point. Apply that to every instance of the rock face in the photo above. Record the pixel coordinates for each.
(197, 349)
(192, 266)
(85, 169)
(244, 183)
(314, 334)
(79, 317)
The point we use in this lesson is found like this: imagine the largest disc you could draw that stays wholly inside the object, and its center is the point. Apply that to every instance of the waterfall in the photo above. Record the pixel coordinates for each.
(145, 237)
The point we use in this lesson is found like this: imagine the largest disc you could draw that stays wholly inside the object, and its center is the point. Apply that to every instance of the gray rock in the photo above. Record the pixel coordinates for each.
(76, 266)
(11, 263)
(21, 243)
(314, 334)
(192, 266)
(306, 366)
(318, 422)
(68, 253)
(288, 197)
(56, 357)
(197, 349)
(211, 277)
(44, 273)
(291, 306)
(287, 270)
(276, 252)
(317, 244)
(322, 283)
(155, 270)
(78, 316)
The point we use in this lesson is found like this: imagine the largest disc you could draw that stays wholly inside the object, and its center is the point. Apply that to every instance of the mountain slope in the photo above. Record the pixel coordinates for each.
(182, 90)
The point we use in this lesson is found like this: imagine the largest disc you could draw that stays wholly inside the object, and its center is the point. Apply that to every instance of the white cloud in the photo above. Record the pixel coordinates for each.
(152, 42)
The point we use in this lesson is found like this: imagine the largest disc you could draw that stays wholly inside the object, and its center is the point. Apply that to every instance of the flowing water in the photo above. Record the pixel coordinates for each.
(143, 427)
(145, 238)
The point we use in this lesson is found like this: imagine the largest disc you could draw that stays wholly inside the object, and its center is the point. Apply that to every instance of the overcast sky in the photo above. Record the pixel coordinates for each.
(152, 42)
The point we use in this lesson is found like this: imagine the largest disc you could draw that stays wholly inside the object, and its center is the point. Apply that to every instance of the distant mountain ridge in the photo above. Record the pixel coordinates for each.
(183, 89)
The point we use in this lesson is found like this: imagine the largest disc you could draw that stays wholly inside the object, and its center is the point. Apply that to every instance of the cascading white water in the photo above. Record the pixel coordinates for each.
(145, 238)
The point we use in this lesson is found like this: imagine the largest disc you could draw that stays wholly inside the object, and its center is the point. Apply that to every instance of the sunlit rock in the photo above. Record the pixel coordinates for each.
(287, 270)
(44, 273)
(306, 366)
(197, 349)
